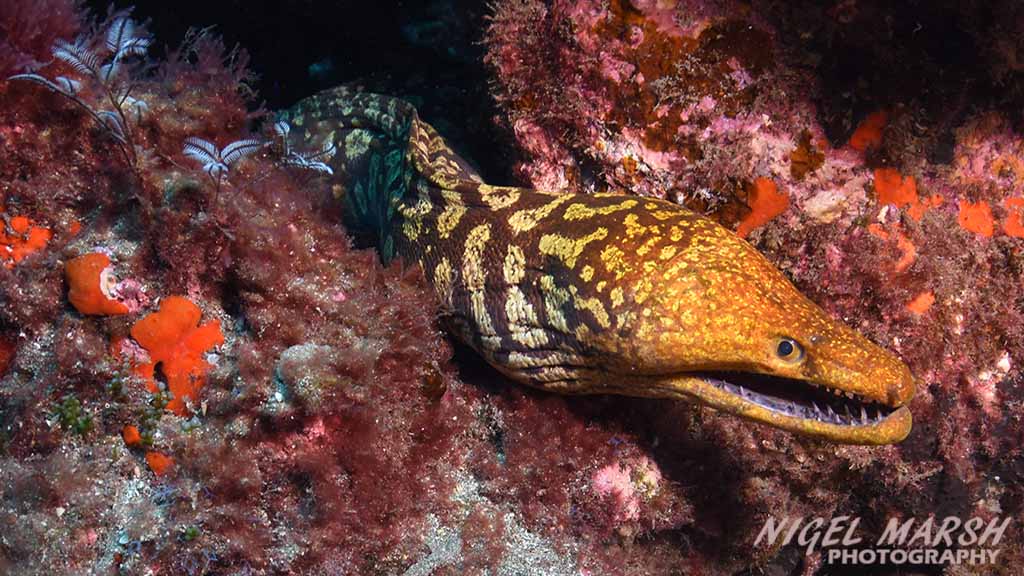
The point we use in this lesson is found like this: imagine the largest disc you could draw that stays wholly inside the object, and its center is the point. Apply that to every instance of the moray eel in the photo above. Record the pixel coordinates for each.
(602, 293)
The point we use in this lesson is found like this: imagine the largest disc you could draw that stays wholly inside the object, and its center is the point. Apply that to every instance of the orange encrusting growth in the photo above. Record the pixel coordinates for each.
(131, 436)
(159, 463)
(88, 282)
(891, 187)
(921, 303)
(1013, 225)
(976, 217)
(174, 339)
(19, 238)
(765, 202)
(869, 133)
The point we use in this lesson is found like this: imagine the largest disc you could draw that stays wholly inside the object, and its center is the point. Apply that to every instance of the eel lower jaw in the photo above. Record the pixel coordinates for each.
(794, 405)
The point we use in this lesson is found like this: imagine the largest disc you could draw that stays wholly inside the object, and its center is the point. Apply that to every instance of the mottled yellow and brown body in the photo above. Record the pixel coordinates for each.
(606, 293)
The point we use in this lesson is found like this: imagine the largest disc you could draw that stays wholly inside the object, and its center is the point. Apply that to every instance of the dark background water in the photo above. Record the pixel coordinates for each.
(428, 51)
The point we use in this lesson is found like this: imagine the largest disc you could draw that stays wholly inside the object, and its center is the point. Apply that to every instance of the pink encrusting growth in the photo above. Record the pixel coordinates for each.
(624, 486)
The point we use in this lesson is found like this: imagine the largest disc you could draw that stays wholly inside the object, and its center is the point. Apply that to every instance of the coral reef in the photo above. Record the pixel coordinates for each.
(199, 374)
(895, 205)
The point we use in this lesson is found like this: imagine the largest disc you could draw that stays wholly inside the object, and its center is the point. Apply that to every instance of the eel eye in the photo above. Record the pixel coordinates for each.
(789, 350)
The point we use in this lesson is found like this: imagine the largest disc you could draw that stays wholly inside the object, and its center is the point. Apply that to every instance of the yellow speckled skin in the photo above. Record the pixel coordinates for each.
(604, 293)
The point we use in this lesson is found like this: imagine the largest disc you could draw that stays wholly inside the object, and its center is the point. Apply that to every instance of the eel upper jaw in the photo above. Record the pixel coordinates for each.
(795, 405)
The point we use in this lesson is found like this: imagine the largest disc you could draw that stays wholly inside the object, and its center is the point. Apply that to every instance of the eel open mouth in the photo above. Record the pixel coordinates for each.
(796, 405)
(801, 399)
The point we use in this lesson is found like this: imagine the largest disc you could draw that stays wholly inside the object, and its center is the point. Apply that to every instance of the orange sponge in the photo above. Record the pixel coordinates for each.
(159, 463)
(869, 133)
(921, 303)
(24, 239)
(976, 217)
(765, 202)
(89, 282)
(1013, 225)
(891, 187)
(176, 341)
(131, 436)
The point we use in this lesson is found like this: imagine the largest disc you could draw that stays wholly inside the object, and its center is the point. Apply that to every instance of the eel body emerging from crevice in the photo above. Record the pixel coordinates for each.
(603, 293)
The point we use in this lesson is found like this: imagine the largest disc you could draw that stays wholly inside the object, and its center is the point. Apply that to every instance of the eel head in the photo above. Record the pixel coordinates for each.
(720, 325)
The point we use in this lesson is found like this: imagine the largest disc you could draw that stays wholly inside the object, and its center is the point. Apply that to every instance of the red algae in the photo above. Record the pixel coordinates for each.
(7, 350)
(28, 29)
